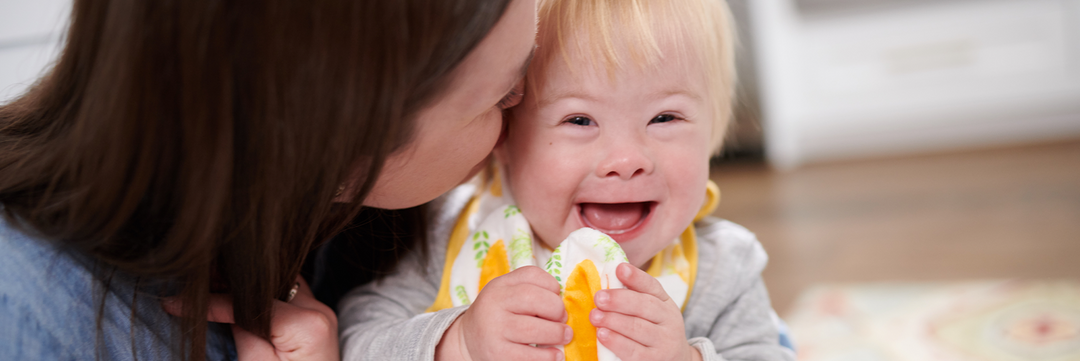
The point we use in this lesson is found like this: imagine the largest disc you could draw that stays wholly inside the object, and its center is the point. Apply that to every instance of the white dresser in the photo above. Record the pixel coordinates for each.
(857, 78)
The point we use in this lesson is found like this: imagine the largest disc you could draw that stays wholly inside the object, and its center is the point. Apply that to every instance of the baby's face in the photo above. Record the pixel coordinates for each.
(628, 156)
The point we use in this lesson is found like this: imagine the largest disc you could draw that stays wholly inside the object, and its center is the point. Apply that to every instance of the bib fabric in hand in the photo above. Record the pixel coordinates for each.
(491, 238)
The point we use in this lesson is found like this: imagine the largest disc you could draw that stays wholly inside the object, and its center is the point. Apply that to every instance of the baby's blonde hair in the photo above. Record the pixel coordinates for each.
(615, 33)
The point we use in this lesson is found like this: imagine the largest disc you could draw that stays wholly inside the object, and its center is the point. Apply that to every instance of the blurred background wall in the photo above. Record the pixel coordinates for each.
(30, 31)
(844, 79)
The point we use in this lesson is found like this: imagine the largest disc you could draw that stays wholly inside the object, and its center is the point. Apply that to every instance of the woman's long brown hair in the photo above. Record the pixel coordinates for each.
(200, 141)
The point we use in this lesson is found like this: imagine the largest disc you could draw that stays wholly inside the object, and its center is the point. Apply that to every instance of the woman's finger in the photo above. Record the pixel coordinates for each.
(219, 309)
(306, 299)
(304, 333)
(251, 347)
(173, 306)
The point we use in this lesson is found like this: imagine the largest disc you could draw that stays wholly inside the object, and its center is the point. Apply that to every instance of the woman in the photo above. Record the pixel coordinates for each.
(180, 147)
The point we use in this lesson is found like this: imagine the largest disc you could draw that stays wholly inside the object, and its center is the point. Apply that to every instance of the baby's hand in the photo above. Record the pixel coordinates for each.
(640, 322)
(512, 312)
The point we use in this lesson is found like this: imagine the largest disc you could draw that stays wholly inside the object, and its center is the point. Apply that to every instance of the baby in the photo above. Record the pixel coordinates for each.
(626, 100)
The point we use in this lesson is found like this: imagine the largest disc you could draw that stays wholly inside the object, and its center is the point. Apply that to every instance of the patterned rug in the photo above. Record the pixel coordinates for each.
(1008, 320)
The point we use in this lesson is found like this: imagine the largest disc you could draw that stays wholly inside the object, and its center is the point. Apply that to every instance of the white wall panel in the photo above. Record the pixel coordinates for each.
(919, 76)
(30, 33)
(22, 66)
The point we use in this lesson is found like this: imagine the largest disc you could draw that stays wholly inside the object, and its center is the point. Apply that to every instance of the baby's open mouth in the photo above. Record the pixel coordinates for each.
(615, 218)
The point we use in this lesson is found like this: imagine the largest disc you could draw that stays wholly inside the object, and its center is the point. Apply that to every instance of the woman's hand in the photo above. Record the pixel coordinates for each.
(301, 329)
(512, 312)
(640, 322)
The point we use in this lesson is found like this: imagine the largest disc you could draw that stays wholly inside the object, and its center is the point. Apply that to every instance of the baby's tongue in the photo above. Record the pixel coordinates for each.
(613, 217)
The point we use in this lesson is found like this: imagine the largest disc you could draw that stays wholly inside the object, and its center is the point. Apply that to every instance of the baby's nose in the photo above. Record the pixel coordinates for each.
(625, 161)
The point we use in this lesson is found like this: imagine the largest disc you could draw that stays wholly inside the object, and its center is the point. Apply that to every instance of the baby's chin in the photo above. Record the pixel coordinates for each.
(639, 260)
(643, 265)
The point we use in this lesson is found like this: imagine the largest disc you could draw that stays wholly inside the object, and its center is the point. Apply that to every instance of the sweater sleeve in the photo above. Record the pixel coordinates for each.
(729, 316)
(385, 319)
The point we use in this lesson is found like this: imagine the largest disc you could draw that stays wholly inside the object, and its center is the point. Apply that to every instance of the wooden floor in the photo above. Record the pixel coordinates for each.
(1011, 212)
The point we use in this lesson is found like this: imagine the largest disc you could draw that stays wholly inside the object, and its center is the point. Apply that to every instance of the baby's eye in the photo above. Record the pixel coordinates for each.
(579, 120)
(663, 118)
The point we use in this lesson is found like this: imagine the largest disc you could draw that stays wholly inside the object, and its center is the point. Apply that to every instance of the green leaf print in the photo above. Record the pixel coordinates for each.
(611, 249)
(510, 211)
(481, 249)
(462, 295)
(520, 248)
(553, 267)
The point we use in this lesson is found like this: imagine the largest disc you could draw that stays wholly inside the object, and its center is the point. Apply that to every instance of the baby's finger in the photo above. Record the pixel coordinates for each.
(633, 303)
(635, 279)
(623, 347)
(531, 300)
(636, 329)
(530, 275)
(532, 330)
(529, 353)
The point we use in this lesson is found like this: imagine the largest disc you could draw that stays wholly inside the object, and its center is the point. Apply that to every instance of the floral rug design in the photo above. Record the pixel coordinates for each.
(1003, 320)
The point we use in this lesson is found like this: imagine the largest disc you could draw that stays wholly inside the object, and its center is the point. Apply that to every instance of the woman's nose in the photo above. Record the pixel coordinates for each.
(625, 160)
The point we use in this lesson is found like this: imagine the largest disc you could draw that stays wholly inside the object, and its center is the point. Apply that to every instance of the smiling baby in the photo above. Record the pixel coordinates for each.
(623, 105)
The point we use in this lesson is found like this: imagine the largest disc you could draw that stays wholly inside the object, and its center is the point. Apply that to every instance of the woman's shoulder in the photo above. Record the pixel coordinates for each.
(37, 272)
(42, 292)
(50, 300)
